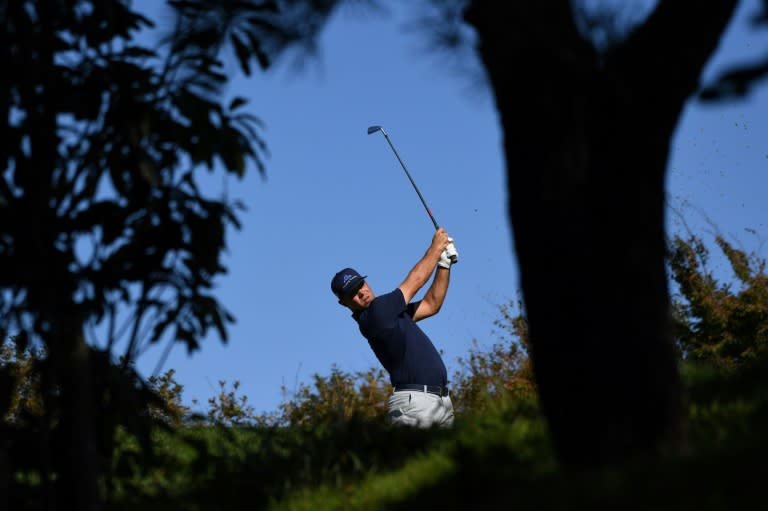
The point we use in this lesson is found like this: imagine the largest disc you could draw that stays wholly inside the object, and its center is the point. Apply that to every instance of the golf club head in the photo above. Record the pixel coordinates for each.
(374, 129)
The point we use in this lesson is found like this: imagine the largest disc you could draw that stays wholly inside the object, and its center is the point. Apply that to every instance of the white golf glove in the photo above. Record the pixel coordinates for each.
(449, 256)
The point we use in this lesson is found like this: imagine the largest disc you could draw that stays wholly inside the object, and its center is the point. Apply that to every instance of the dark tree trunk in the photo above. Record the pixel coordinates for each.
(51, 288)
(587, 141)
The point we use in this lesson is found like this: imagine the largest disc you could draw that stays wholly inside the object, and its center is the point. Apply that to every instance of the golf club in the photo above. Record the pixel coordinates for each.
(374, 129)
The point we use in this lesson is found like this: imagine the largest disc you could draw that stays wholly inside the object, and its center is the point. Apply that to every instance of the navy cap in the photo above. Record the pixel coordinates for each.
(346, 282)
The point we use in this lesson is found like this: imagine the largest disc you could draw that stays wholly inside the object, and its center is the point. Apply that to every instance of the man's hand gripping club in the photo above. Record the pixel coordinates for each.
(449, 255)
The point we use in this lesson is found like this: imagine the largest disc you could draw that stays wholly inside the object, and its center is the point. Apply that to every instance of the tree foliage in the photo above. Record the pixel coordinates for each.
(172, 412)
(492, 378)
(723, 324)
(110, 240)
(229, 409)
(337, 397)
(24, 382)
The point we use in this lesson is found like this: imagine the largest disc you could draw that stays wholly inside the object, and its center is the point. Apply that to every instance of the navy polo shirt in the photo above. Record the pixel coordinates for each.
(401, 346)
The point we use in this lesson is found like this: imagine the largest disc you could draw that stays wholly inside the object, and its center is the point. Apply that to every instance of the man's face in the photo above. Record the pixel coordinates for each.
(360, 300)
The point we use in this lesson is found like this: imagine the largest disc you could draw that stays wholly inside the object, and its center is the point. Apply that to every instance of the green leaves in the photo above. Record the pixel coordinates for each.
(725, 324)
(106, 229)
(336, 398)
(206, 26)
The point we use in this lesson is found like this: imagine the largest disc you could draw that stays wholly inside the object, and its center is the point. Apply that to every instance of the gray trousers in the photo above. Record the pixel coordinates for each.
(420, 409)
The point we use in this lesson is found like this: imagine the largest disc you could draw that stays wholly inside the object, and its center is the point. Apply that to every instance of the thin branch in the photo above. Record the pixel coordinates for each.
(130, 351)
(164, 356)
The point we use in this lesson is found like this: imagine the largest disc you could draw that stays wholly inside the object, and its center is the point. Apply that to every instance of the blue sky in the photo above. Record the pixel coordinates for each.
(335, 197)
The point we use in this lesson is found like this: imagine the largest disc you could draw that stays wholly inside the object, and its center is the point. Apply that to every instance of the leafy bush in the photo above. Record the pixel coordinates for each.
(715, 323)
(338, 397)
(23, 400)
(488, 379)
(173, 412)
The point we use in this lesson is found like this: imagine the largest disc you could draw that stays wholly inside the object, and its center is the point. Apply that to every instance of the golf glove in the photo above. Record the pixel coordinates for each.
(449, 256)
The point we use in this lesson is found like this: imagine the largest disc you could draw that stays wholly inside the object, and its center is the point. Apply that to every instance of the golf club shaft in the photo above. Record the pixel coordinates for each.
(413, 183)
(429, 211)
(374, 129)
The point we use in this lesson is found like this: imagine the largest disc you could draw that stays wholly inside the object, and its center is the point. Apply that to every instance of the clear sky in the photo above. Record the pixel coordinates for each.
(335, 197)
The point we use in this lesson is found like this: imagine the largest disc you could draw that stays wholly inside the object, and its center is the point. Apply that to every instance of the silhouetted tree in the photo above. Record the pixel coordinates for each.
(103, 223)
(587, 133)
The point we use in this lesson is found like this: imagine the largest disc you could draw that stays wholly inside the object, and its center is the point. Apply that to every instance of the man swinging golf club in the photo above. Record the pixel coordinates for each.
(416, 370)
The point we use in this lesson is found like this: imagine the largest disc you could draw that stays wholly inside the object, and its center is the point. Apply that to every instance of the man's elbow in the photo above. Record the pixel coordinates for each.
(432, 308)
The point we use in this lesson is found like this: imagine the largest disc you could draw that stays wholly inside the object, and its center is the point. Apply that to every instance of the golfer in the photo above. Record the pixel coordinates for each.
(416, 370)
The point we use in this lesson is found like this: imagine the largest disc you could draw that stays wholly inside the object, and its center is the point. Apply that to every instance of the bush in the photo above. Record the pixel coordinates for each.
(725, 325)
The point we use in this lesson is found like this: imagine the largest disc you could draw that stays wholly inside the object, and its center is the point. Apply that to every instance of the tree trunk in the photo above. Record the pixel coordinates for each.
(81, 476)
(587, 141)
(51, 288)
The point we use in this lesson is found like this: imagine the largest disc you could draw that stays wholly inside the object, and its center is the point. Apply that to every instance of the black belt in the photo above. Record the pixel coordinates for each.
(432, 389)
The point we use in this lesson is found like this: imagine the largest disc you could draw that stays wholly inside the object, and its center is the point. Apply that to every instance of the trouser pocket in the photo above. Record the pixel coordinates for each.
(399, 408)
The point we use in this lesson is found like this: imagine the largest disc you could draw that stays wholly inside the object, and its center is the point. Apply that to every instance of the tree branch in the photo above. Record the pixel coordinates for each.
(664, 57)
